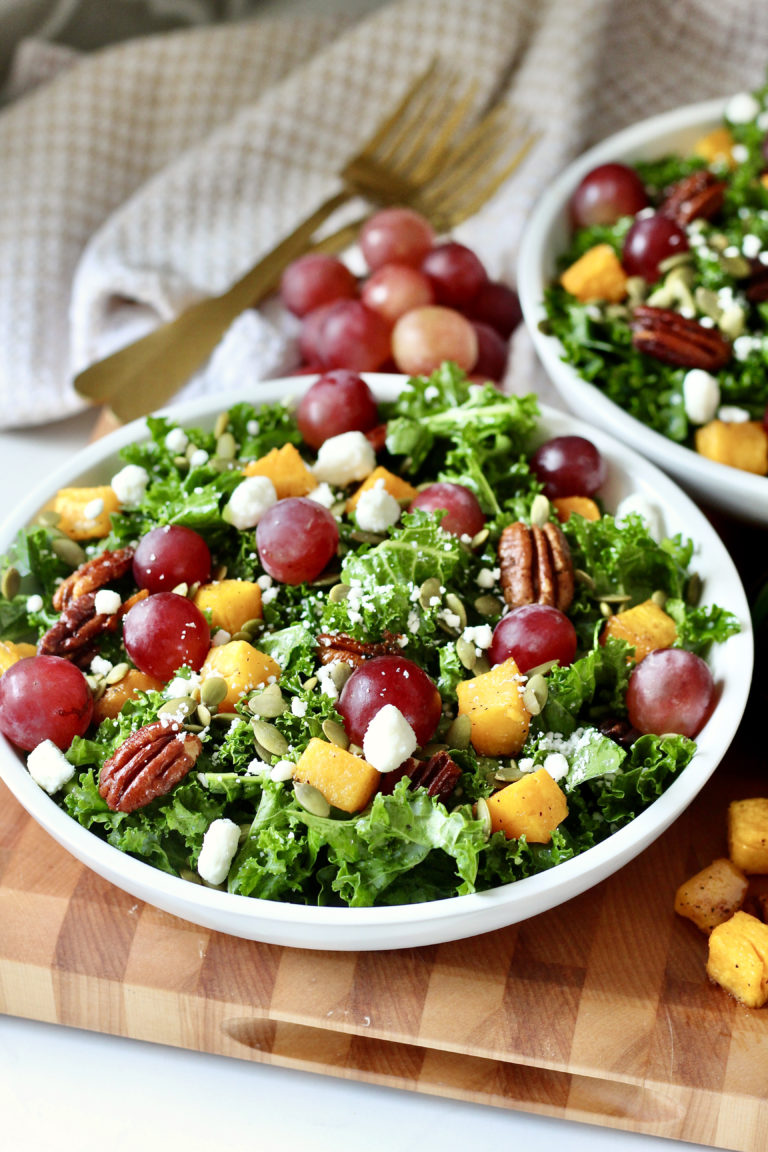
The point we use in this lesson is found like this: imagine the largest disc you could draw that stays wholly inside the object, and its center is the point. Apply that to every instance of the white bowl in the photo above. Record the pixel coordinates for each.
(457, 917)
(546, 237)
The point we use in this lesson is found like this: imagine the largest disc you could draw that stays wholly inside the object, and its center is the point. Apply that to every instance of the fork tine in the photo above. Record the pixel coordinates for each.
(402, 112)
(447, 210)
(441, 131)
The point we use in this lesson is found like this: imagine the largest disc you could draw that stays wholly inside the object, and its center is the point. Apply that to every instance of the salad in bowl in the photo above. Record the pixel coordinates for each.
(364, 664)
(643, 280)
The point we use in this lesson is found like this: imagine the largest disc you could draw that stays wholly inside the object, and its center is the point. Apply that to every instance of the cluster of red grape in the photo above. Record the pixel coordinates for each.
(423, 302)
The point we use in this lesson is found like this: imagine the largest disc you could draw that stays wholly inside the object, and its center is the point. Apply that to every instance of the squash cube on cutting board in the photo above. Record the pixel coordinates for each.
(748, 834)
(286, 469)
(532, 806)
(231, 603)
(398, 488)
(646, 627)
(494, 704)
(738, 958)
(345, 780)
(713, 895)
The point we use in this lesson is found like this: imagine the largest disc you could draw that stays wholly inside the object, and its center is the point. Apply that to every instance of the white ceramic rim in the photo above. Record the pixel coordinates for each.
(741, 493)
(403, 925)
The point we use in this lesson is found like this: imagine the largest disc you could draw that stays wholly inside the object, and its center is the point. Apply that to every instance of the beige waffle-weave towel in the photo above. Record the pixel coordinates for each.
(150, 173)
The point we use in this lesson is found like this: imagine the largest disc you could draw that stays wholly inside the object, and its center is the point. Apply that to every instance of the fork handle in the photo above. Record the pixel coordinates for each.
(145, 374)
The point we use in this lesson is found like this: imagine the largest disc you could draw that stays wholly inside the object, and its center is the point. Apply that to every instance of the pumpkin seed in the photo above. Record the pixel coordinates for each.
(488, 605)
(479, 538)
(334, 733)
(243, 636)
(224, 717)
(11, 583)
(605, 609)
(181, 589)
(311, 799)
(659, 597)
(615, 598)
(707, 302)
(355, 749)
(338, 593)
(181, 461)
(508, 773)
(677, 260)
(269, 737)
(637, 289)
(430, 591)
(541, 669)
(213, 691)
(483, 814)
(535, 694)
(453, 602)
(180, 707)
(97, 685)
(363, 537)
(188, 874)
(311, 683)
(325, 581)
(693, 589)
(466, 652)
(221, 425)
(732, 322)
(69, 551)
(268, 703)
(117, 673)
(482, 665)
(459, 732)
(190, 727)
(263, 755)
(584, 578)
(48, 518)
(737, 265)
(219, 573)
(340, 673)
(226, 446)
(204, 715)
(540, 509)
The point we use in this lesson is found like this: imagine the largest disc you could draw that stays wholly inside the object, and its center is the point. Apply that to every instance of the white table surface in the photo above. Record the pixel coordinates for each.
(59, 1086)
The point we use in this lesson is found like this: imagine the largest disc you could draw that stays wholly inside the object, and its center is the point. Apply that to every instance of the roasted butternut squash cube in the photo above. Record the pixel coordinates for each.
(231, 603)
(567, 506)
(397, 487)
(242, 666)
(597, 275)
(347, 781)
(286, 469)
(716, 147)
(738, 958)
(10, 652)
(494, 704)
(743, 445)
(84, 512)
(748, 834)
(646, 627)
(532, 806)
(115, 695)
(713, 895)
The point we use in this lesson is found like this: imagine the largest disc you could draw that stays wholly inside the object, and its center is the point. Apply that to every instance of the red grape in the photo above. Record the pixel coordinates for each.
(164, 632)
(497, 305)
(395, 289)
(533, 634)
(390, 680)
(670, 690)
(491, 363)
(314, 280)
(309, 333)
(295, 539)
(354, 337)
(339, 401)
(171, 555)
(396, 235)
(44, 698)
(425, 337)
(455, 273)
(650, 240)
(568, 466)
(607, 193)
(463, 514)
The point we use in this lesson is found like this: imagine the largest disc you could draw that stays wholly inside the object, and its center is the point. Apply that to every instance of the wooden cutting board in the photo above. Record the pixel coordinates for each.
(598, 1011)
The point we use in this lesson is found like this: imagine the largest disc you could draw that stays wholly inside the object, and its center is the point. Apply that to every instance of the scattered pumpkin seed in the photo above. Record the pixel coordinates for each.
(482, 665)
(429, 591)
(535, 694)
(363, 537)
(455, 605)
(637, 290)
(11, 583)
(221, 425)
(584, 578)
(253, 625)
(224, 717)
(479, 538)
(242, 635)
(188, 874)
(542, 669)
(226, 446)
(48, 518)
(311, 683)
(269, 737)
(117, 673)
(97, 685)
(737, 266)
(69, 551)
(355, 749)
(311, 799)
(732, 323)
(483, 814)
(334, 733)
(213, 691)
(181, 461)
(488, 605)
(459, 732)
(659, 597)
(615, 598)
(338, 593)
(340, 673)
(268, 703)
(707, 302)
(204, 715)
(181, 589)
(466, 652)
(193, 727)
(325, 580)
(678, 259)
(693, 589)
(508, 773)
(540, 510)
(262, 754)
(605, 609)
(179, 707)
(219, 573)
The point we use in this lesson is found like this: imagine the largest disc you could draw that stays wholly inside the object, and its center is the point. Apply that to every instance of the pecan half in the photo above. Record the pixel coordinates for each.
(699, 195)
(756, 284)
(619, 729)
(74, 634)
(536, 566)
(338, 646)
(677, 340)
(439, 775)
(92, 575)
(150, 762)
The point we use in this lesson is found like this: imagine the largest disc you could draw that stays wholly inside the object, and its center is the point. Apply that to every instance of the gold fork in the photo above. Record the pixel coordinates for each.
(411, 159)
